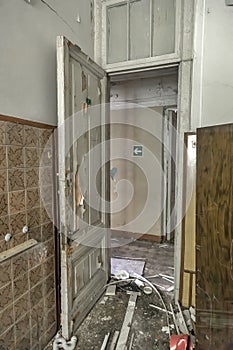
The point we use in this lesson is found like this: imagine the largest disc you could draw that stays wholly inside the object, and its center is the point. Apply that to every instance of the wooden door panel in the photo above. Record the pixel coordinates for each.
(82, 93)
(214, 290)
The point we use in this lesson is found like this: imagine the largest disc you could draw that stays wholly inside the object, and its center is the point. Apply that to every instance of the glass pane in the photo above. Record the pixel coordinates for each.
(139, 29)
(164, 15)
(117, 33)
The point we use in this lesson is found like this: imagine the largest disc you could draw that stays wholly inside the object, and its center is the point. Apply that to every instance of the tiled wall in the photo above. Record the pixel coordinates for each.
(27, 280)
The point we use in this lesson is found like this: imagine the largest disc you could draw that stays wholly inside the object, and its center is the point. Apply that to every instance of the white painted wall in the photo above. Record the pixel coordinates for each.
(213, 64)
(28, 53)
(153, 93)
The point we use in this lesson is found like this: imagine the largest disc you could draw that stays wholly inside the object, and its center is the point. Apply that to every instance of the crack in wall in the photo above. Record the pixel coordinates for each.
(53, 10)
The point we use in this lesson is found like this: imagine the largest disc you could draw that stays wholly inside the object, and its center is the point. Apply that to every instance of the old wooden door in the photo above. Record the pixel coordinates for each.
(83, 182)
(214, 230)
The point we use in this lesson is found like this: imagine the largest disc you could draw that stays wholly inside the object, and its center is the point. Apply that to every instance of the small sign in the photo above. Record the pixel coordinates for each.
(137, 151)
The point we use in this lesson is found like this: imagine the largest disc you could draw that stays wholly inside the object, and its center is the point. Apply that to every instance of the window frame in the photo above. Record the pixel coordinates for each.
(142, 62)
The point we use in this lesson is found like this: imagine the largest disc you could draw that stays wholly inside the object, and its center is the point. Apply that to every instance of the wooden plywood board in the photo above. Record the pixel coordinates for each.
(214, 292)
(188, 265)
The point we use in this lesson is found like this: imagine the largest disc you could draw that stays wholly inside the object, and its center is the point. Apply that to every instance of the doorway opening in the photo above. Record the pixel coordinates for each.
(143, 157)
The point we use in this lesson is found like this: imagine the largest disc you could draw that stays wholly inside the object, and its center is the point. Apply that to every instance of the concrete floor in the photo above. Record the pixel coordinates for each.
(108, 314)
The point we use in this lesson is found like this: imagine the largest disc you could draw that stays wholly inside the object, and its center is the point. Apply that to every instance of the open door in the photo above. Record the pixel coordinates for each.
(83, 182)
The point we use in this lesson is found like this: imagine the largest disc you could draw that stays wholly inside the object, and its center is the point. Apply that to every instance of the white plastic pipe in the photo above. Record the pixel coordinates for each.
(61, 343)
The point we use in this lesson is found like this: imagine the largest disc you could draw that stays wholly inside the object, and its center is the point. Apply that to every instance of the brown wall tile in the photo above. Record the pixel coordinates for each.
(2, 133)
(14, 134)
(35, 337)
(4, 226)
(17, 222)
(37, 314)
(22, 327)
(21, 306)
(15, 156)
(36, 294)
(3, 162)
(3, 204)
(46, 176)
(31, 157)
(46, 213)
(31, 136)
(19, 238)
(51, 331)
(50, 247)
(5, 245)
(5, 273)
(8, 339)
(19, 265)
(24, 343)
(16, 179)
(47, 231)
(33, 218)
(50, 301)
(33, 198)
(45, 139)
(48, 266)
(49, 283)
(17, 201)
(35, 233)
(3, 181)
(6, 297)
(46, 193)
(35, 276)
(32, 177)
(37, 255)
(20, 286)
(46, 157)
(50, 318)
(7, 319)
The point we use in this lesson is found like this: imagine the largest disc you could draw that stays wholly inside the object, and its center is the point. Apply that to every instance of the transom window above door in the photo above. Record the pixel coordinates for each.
(133, 30)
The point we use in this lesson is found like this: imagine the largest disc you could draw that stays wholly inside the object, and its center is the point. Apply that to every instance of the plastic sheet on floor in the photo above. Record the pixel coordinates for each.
(130, 265)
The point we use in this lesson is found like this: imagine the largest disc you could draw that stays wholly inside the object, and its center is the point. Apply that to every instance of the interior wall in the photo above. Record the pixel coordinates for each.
(28, 52)
(213, 70)
(148, 92)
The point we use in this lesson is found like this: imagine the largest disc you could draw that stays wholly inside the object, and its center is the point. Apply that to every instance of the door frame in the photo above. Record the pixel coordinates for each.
(169, 183)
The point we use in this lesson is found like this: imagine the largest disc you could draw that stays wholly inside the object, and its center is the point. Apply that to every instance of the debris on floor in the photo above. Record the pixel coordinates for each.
(152, 321)
(130, 265)
(142, 328)
(61, 343)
